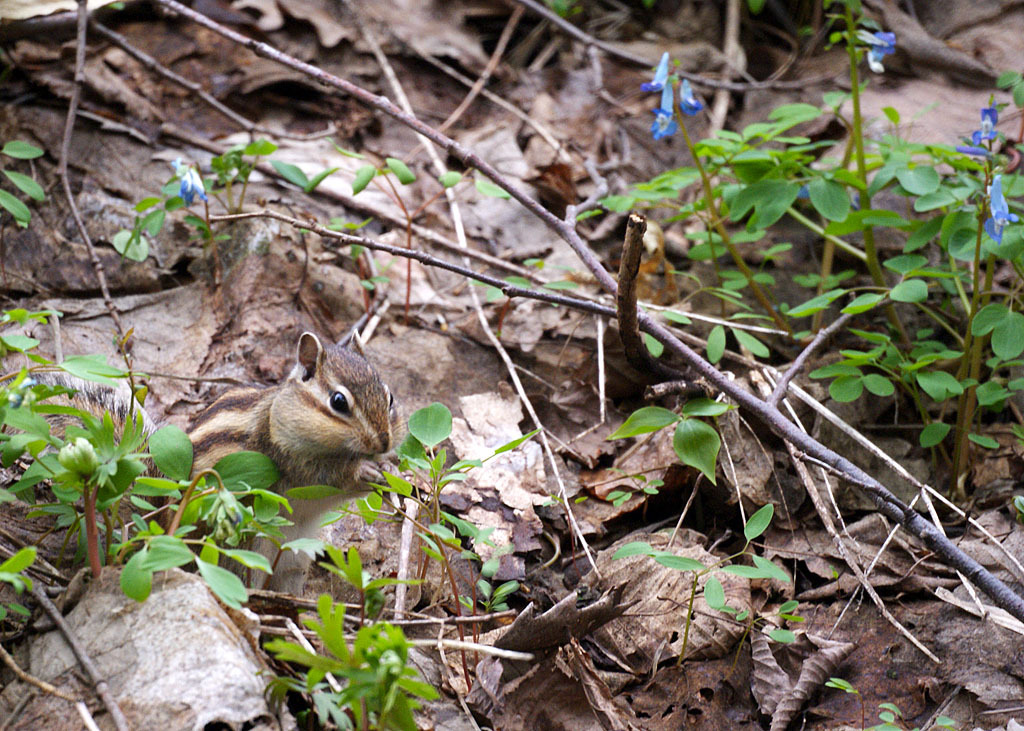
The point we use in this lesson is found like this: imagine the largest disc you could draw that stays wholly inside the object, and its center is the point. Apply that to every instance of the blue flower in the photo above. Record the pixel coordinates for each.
(804, 193)
(989, 117)
(1001, 216)
(191, 183)
(660, 76)
(688, 103)
(664, 125)
(881, 45)
(972, 150)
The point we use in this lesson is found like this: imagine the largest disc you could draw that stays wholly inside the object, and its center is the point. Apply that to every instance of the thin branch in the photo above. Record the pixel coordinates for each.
(571, 30)
(798, 363)
(62, 166)
(629, 266)
(153, 65)
(509, 290)
(32, 679)
(826, 519)
(102, 689)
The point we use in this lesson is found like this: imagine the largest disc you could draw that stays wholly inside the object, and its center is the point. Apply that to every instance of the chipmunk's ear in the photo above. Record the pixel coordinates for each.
(356, 343)
(309, 356)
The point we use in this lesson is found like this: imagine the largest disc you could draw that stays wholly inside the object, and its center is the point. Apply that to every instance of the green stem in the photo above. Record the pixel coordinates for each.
(716, 220)
(870, 250)
(970, 364)
(839, 243)
(689, 618)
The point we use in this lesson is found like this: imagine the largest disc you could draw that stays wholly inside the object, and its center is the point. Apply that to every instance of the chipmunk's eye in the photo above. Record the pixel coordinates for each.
(391, 400)
(339, 402)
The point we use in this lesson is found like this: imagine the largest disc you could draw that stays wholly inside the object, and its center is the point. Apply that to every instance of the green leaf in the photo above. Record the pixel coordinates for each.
(784, 636)
(16, 208)
(714, 594)
(678, 563)
(748, 341)
(362, 178)
(19, 561)
(644, 420)
(704, 407)
(172, 452)
(260, 148)
(920, 180)
(1006, 326)
(933, 434)
(829, 198)
(758, 522)
(1008, 78)
(318, 178)
(925, 233)
(879, 385)
(252, 469)
(508, 447)
(130, 245)
(431, 424)
(489, 189)
(636, 548)
(228, 587)
(449, 179)
(938, 384)
(92, 368)
(936, 199)
(697, 444)
(136, 581)
(768, 198)
(18, 342)
(863, 303)
(673, 316)
(716, 344)
(249, 559)
(983, 441)
(291, 173)
(401, 170)
(846, 388)
(816, 304)
(166, 552)
(312, 492)
(654, 347)
(910, 290)
(991, 393)
(26, 185)
(21, 150)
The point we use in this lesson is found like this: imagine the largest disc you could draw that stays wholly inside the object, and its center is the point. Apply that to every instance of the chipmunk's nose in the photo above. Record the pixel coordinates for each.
(383, 442)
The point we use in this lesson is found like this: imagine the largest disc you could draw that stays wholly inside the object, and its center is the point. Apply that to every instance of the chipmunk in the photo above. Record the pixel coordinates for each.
(318, 426)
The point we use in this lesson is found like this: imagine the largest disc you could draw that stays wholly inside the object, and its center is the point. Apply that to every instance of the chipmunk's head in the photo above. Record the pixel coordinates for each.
(342, 404)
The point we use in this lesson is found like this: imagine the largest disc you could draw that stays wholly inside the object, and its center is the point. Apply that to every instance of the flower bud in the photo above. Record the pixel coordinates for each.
(79, 457)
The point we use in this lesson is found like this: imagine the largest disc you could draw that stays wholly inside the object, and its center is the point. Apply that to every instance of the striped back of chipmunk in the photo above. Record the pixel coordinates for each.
(228, 425)
(95, 399)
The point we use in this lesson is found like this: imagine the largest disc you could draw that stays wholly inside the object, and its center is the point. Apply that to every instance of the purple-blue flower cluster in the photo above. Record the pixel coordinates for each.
(881, 44)
(989, 117)
(664, 124)
(1001, 216)
(191, 183)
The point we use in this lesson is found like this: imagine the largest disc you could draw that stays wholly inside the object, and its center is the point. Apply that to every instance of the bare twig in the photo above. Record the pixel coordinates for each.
(826, 520)
(62, 166)
(153, 65)
(102, 689)
(32, 679)
(629, 266)
(798, 363)
(509, 290)
(571, 30)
